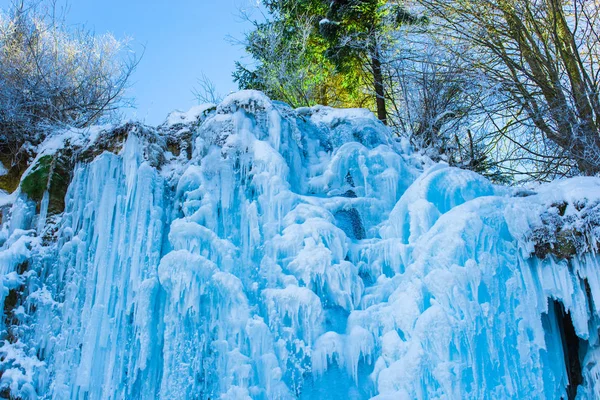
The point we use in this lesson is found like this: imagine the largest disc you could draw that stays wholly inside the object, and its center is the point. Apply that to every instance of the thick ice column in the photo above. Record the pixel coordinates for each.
(230, 198)
(110, 249)
(186, 372)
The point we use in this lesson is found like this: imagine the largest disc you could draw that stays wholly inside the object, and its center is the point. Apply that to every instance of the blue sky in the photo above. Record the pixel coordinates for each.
(182, 39)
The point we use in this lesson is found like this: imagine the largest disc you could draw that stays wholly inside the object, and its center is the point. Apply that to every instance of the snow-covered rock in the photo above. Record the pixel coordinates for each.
(251, 251)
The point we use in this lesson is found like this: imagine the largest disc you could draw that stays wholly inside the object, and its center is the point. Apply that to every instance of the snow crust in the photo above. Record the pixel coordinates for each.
(189, 117)
(296, 254)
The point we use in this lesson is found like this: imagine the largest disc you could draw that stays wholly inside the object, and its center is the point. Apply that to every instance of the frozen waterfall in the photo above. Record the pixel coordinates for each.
(252, 251)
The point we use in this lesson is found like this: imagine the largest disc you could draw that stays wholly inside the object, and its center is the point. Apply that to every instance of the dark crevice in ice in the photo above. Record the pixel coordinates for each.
(571, 345)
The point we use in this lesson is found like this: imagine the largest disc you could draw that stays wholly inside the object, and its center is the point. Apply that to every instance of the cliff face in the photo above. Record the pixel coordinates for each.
(252, 251)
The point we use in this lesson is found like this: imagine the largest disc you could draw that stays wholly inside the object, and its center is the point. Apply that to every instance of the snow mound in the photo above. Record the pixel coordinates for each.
(191, 116)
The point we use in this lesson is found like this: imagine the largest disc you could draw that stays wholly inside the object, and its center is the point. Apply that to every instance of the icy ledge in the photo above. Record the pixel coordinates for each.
(252, 251)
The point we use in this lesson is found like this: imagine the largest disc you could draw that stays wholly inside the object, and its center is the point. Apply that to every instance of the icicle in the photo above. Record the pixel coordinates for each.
(41, 222)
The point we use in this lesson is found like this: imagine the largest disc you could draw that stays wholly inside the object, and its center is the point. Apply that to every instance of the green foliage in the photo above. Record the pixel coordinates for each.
(290, 63)
(51, 173)
(322, 52)
(36, 182)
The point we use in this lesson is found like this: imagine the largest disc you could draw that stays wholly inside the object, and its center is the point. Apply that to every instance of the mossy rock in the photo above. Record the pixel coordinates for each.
(111, 141)
(567, 242)
(10, 181)
(36, 182)
(52, 173)
(181, 143)
(174, 147)
(566, 245)
(16, 165)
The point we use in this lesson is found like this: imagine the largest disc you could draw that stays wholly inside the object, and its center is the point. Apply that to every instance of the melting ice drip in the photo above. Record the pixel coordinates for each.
(293, 254)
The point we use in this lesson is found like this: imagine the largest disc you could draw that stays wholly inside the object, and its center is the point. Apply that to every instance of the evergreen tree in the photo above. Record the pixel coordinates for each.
(357, 34)
(326, 52)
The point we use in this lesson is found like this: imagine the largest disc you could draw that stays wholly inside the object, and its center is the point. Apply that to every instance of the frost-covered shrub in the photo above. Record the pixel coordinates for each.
(52, 74)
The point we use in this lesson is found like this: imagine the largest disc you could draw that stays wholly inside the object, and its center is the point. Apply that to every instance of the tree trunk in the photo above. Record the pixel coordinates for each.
(585, 151)
(378, 82)
(576, 130)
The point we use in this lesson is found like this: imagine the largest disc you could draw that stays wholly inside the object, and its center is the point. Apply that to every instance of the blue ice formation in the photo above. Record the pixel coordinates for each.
(252, 251)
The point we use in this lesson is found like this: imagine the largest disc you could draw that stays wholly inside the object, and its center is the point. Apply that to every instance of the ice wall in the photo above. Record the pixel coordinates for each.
(252, 251)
